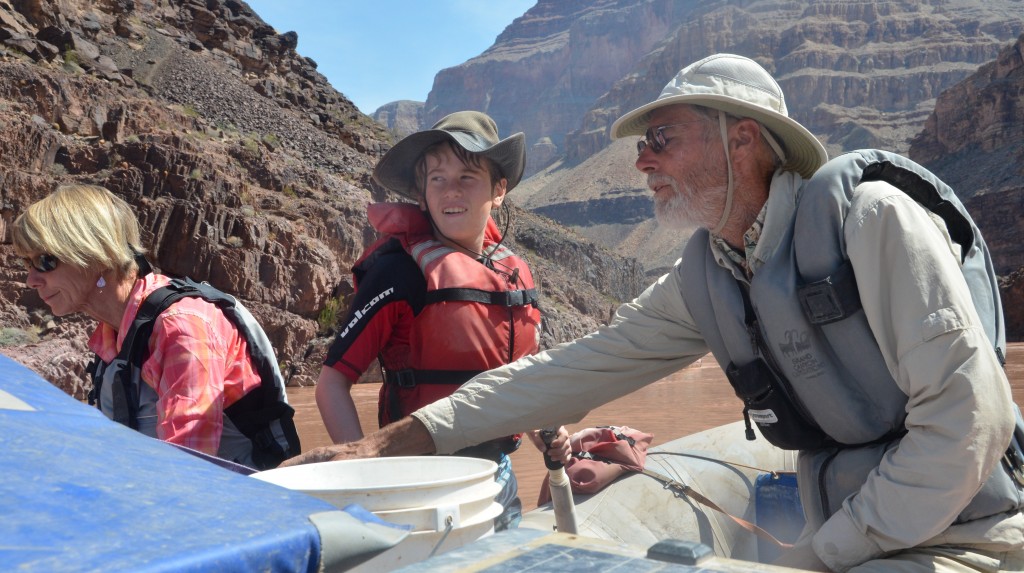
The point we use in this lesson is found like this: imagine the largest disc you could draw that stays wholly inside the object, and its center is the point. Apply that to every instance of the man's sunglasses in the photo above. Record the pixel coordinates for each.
(43, 262)
(655, 137)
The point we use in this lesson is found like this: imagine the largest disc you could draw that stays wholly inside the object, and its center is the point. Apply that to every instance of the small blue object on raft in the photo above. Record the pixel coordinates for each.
(778, 509)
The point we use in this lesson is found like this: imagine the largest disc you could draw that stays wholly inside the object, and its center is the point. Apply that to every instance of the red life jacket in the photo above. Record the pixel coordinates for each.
(475, 317)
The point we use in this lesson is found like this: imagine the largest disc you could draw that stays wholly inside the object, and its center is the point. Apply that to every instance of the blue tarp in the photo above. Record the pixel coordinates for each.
(79, 492)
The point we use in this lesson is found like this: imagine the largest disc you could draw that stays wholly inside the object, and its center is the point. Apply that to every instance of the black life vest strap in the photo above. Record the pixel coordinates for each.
(925, 193)
(125, 394)
(510, 298)
(97, 384)
(411, 377)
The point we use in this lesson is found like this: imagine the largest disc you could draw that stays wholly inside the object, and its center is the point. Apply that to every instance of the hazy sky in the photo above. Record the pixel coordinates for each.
(378, 51)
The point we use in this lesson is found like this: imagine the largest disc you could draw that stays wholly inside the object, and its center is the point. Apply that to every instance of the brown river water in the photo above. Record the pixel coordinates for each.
(689, 401)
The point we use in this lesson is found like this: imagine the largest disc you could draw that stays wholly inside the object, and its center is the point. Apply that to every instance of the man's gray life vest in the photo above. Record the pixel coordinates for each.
(258, 428)
(798, 349)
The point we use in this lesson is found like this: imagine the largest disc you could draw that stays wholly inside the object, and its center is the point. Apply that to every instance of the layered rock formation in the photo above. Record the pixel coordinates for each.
(245, 167)
(858, 74)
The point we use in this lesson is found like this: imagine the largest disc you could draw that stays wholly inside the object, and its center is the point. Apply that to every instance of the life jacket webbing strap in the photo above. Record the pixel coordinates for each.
(688, 491)
(508, 298)
(125, 395)
(97, 385)
(411, 377)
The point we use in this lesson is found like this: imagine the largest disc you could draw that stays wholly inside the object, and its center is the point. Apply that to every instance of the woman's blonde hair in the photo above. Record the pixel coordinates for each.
(82, 225)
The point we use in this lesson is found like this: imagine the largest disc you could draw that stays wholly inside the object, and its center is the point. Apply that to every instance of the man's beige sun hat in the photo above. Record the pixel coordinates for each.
(740, 87)
(471, 130)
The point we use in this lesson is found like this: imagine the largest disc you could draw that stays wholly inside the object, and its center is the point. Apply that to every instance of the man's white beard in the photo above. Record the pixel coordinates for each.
(684, 210)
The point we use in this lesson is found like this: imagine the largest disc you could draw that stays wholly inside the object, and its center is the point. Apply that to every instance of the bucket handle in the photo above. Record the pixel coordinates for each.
(446, 518)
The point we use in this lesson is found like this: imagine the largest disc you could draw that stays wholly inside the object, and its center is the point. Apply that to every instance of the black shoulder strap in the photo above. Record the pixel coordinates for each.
(508, 299)
(137, 338)
(133, 350)
(925, 193)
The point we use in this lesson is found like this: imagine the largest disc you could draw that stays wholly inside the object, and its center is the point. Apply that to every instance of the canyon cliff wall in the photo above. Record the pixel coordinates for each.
(858, 74)
(974, 140)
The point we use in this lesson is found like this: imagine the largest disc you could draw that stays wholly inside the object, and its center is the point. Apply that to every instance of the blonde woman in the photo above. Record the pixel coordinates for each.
(193, 373)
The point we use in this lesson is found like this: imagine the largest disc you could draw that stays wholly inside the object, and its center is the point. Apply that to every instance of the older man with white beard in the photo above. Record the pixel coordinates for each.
(896, 398)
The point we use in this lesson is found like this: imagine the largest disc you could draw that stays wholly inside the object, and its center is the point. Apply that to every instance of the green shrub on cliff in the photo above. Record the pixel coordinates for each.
(16, 337)
(331, 314)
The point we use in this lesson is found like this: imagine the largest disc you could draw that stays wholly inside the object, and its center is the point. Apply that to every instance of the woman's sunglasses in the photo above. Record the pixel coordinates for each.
(43, 262)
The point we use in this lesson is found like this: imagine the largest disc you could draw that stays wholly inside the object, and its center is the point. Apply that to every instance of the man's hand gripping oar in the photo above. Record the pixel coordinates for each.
(556, 454)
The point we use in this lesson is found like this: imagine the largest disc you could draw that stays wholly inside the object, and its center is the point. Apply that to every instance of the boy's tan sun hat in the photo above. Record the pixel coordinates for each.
(740, 87)
(471, 130)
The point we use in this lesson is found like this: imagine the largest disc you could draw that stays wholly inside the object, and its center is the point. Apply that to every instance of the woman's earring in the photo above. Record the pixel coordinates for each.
(101, 283)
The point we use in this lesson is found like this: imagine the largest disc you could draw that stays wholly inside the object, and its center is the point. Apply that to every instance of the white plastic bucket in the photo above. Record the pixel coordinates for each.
(380, 484)
(448, 500)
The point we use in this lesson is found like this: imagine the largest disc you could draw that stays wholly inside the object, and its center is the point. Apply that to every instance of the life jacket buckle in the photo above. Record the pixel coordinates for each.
(832, 298)
(516, 298)
(405, 378)
(821, 302)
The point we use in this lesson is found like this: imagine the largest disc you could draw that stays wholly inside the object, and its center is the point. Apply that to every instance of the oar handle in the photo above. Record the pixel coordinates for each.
(561, 490)
(547, 436)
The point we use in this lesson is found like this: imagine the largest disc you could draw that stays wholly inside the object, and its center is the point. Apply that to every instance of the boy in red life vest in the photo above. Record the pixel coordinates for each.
(439, 298)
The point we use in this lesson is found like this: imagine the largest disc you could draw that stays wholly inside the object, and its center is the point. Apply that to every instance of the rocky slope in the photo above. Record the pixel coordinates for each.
(246, 169)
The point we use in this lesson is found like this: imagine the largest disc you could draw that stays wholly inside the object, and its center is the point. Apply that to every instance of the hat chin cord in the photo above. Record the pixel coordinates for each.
(731, 186)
